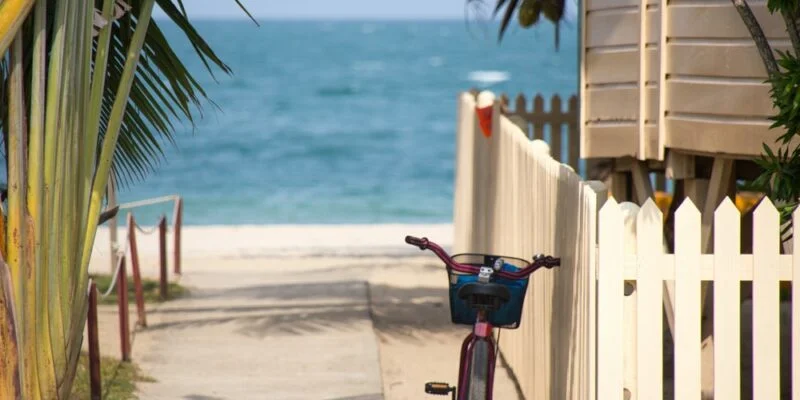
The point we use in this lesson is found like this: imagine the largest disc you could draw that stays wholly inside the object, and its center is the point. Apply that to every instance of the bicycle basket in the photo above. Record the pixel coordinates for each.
(509, 314)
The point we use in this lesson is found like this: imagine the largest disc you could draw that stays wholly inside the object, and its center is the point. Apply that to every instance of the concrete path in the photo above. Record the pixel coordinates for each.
(262, 329)
(281, 322)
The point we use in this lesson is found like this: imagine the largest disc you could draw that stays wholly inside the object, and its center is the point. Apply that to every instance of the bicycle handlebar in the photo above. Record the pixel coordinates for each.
(421, 243)
(425, 244)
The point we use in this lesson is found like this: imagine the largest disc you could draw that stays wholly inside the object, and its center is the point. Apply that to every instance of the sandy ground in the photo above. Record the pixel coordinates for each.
(297, 313)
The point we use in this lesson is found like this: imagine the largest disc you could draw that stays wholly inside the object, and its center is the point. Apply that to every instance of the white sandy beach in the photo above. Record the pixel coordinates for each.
(299, 312)
(252, 241)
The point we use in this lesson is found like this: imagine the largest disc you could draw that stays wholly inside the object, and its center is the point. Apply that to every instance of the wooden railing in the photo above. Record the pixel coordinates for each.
(119, 285)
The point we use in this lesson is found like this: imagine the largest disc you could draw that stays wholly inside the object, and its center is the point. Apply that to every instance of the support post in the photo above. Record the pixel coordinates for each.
(162, 248)
(617, 184)
(136, 272)
(642, 186)
(122, 301)
(177, 225)
(95, 380)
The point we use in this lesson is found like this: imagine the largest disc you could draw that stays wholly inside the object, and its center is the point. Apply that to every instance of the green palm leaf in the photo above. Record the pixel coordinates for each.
(553, 10)
(164, 89)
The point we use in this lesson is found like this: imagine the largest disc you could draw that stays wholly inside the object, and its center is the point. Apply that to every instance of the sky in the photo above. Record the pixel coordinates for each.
(334, 9)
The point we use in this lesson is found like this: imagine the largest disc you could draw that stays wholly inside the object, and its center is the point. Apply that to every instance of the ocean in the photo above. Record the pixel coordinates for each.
(347, 122)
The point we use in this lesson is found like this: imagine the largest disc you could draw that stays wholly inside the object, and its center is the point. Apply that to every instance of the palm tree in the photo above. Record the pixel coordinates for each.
(780, 169)
(87, 90)
(528, 13)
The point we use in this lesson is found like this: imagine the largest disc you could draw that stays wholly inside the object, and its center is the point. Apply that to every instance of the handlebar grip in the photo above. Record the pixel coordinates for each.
(553, 262)
(415, 241)
(547, 261)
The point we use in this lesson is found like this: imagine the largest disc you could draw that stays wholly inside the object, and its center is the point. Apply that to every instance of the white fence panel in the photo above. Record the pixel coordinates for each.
(609, 303)
(727, 268)
(766, 306)
(629, 304)
(727, 309)
(512, 198)
(687, 302)
(649, 286)
(465, 155)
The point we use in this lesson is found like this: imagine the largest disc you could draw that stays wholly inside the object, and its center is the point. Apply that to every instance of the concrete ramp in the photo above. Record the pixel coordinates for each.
(255, 330)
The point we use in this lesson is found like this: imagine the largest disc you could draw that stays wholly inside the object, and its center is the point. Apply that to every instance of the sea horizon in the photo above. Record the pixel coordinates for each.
(337, 122)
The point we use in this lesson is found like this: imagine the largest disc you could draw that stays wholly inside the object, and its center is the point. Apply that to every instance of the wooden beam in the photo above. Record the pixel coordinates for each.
(626, 164)
(720, 185)
(617, 184)
(679, 165)
(696, 190)
(642, 187)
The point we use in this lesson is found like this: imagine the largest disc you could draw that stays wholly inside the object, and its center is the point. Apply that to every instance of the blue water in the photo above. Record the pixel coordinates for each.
(341, 122)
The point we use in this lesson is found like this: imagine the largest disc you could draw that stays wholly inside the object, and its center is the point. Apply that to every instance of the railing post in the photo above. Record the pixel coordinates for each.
(177, 224)
(162, 245)
(95, 381)
(122, 301)
(137, 275)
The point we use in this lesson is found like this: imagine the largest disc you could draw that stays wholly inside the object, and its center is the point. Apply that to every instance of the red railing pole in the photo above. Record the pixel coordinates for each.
(95, 381)
(178, 224)
(162, 244)
(137, 275)
(122, 301)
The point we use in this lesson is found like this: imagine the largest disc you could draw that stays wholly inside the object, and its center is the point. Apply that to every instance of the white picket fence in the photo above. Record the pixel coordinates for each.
(581, 336)
(633, 361)
(513, 199)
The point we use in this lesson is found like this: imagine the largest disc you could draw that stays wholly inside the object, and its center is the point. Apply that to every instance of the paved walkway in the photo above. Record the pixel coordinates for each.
(262, 329)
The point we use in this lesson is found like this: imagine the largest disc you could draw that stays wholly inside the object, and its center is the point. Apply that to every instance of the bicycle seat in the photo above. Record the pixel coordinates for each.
(489, 296)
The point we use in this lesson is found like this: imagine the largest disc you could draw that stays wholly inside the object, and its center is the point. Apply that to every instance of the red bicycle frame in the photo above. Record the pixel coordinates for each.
(482, 329)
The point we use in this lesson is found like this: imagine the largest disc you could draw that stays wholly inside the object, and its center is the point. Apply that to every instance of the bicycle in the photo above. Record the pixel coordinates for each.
(486, 291)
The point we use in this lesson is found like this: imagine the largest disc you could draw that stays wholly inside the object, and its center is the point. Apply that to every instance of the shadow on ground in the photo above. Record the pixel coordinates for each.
(296, 309)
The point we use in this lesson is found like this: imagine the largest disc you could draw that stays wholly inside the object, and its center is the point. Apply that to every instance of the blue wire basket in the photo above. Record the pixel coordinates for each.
(509, 314)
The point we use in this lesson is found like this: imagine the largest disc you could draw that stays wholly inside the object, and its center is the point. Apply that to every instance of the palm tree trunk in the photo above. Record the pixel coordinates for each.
(764, 48)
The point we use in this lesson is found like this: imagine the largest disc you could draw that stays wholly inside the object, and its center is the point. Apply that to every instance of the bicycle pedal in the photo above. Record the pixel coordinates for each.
(439, 388)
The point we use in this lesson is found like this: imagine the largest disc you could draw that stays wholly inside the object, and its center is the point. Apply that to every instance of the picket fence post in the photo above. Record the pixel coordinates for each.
(629, 318)
(687, 302)
(649, 285)
(766, 305)
(609, 302)
(727, 313)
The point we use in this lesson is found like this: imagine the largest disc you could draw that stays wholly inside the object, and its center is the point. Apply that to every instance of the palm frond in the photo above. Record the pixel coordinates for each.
(528, 11)
(164, 89)
(510, 8)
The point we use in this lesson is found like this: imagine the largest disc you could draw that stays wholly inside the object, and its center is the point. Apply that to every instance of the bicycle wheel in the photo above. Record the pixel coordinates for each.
(479, 372)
